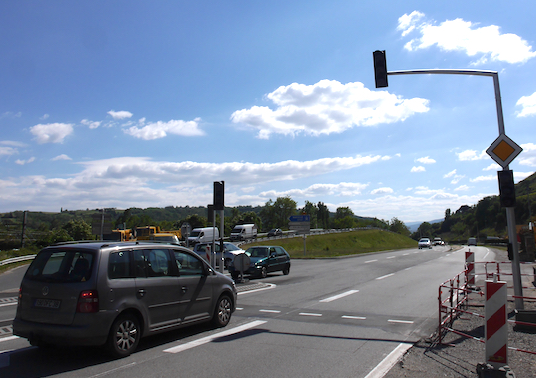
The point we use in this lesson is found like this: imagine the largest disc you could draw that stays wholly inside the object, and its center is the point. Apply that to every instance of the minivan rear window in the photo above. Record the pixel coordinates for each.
(61, 266)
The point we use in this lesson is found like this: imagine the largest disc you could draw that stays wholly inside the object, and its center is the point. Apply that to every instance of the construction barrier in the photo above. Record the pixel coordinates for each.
(496, 329)
(455, 296)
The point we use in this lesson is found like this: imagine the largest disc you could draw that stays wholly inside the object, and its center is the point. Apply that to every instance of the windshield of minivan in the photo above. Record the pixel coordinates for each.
(61, 266)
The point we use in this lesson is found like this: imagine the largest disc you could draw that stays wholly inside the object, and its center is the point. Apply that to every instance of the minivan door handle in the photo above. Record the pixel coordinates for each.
(141, 293)
(184, 289)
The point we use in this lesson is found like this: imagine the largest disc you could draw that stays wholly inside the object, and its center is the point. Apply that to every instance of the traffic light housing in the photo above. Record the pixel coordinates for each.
(380, 69)
(507, 189)
(219, 189)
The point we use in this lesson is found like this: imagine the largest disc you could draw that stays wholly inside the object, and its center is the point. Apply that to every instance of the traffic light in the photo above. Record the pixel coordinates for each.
(219, 189)
(380, 69)
(507, 189)
(210, 217)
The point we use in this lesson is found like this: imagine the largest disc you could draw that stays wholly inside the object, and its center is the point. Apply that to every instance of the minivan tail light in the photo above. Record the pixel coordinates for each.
(88, 301)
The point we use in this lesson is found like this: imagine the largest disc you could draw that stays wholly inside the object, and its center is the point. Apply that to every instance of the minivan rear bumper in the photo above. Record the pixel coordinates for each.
(92, 332)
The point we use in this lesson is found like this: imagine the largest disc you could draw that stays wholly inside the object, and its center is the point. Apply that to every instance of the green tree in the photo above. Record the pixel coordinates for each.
(396, 225)
(311, 210)
(276, 214)
(323, 215)
(343, 212)
(78, 229)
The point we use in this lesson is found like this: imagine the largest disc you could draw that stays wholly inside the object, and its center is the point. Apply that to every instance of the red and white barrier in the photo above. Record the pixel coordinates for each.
(470, 266)
(496, 328)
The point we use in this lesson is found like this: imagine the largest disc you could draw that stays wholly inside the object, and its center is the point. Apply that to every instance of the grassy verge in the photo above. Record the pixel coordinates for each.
(341, 244)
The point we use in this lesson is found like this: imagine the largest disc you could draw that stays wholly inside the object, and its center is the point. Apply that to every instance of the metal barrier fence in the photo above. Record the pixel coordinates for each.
(455, 297)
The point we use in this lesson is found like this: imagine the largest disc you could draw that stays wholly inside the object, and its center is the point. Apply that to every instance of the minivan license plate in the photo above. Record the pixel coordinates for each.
(47, 303)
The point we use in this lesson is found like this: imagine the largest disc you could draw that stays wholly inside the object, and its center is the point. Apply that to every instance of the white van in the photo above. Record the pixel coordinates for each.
(242, 232)
(203, 235)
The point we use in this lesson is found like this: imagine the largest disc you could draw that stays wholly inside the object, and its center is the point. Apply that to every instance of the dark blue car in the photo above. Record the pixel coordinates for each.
(264, 260)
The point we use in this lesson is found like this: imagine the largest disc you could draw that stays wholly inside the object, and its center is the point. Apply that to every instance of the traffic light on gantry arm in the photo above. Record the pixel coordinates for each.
(380, 69)
(507, 189)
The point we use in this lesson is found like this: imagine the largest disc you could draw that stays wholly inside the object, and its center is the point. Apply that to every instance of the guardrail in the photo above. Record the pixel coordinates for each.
(16, 259)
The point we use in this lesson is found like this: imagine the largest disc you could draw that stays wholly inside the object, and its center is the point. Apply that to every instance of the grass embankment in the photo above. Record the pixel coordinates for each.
(341, 244)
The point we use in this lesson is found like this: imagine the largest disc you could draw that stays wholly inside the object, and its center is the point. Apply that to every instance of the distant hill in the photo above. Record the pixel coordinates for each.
(413, 226)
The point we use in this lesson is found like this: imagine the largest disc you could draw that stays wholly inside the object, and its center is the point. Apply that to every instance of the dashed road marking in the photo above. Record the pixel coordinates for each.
(400, 321)
(354, 317)
(271, 311)
(370, 261)
(309, 314)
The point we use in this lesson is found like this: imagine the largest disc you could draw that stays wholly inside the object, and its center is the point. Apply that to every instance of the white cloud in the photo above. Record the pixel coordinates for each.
(10, 115)
(122, 114)
(492, 167)
(426, 160)
(456, 179)
(382, 191)
(471, 155)
(61, 157)
(341, 189)
(45, 116)
(518, 176)
(450, 174)
(485, 42)
(407, 23)
(91, 124)
(484, 178)
(8, 151)
(528, 105)
(22, 162)
(462, 188)
(418, 169)
(528, 155)
(52, 132)
(161, 129)
(326, 107)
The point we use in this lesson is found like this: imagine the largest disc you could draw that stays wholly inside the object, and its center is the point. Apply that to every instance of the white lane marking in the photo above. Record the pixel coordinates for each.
(408, 268)
(240, 308)
(353, 317)
(8, 338)
(388, 362)
(309, 314)
(405, 254)
(391, 257)
(8, 304)
(270, 286)
(271, 311)
(387, 275)
(370, 261)
(208, 339)
(346, 293)
(400, 321)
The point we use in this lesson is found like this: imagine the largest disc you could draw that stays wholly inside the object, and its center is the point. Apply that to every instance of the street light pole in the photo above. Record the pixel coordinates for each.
(510, 213)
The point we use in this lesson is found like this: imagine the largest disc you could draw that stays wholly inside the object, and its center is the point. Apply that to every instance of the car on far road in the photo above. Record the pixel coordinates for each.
(264, 260)
(438, 241)
(275, 232)
(229, 251)
(471, 241)
(425, 243)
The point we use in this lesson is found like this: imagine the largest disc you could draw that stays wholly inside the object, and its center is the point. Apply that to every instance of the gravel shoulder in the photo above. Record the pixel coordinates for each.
(460, 357)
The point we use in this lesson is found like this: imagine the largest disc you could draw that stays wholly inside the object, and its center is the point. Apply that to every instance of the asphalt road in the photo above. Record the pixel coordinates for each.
(328, 318)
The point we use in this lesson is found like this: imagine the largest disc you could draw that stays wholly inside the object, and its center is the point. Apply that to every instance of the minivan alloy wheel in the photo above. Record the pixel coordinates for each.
(124, 336)
(222, 314)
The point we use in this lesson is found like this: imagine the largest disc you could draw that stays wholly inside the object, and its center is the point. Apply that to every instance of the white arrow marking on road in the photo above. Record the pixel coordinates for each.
(346, 293)
(387, 275)
(208, 339)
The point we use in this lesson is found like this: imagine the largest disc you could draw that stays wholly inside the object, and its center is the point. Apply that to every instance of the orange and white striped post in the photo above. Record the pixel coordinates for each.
(470, 267)
(496, 327)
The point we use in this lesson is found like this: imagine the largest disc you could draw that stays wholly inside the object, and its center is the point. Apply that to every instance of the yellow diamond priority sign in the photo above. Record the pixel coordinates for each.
(503, 150)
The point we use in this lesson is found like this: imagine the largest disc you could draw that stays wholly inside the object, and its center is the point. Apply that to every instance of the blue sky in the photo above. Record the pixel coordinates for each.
(144, 104)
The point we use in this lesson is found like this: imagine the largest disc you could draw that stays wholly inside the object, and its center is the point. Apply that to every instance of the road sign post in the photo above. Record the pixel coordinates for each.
(302, 225)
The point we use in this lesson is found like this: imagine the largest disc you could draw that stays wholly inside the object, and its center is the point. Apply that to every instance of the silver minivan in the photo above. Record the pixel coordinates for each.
(114, 293)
